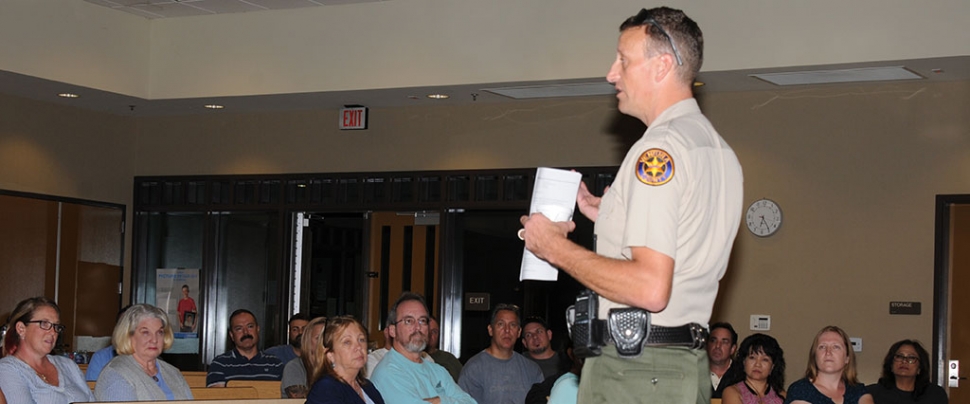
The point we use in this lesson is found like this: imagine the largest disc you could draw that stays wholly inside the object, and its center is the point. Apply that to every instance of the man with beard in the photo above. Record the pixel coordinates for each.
(244, 361)
(498, 374)
(537, 339)
(403, 376)
(288, 352)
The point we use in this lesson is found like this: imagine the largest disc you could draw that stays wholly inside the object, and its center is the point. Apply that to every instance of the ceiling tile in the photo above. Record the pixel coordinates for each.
(225, 6)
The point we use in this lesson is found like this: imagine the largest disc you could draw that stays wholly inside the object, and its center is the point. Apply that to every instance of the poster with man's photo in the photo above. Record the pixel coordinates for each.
(177, 292)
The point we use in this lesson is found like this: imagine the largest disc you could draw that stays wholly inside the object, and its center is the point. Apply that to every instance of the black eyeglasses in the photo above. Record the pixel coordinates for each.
(47, 325)
(644, 18)
(906, 359)
(411, 321)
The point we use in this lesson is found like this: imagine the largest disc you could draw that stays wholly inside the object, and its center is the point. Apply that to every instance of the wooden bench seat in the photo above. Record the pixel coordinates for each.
(264, 388)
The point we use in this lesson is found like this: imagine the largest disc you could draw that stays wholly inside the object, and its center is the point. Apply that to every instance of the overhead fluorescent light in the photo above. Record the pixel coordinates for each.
(885, 73)
(554, 90)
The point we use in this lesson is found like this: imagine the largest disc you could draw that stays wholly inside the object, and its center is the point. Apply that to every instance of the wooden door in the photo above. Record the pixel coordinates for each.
(959, 310)
(403, 257)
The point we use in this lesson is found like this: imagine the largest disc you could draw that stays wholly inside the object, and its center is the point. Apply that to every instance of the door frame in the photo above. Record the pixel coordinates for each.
(941, 284)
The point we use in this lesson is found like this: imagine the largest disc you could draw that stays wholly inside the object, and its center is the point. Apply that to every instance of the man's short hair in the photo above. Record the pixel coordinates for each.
(686, 39)
(505, 306)
(241, 311)
(535, 319)
(405, 297)
(726, 326)
(299, 316)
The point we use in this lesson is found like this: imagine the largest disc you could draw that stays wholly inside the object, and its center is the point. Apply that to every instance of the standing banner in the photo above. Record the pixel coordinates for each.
(176, 292)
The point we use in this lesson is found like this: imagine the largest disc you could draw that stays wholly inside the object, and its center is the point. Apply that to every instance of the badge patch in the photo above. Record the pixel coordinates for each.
(655, 167)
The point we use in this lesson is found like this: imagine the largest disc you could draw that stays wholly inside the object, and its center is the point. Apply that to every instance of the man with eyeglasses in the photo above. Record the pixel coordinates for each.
(244, 361)
(405, 376)
(664, 230)
(498, 374)
(288, 352)
(537, 340)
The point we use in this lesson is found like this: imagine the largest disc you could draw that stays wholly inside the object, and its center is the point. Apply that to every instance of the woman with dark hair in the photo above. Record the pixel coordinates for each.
(906, 377)
(29, 373)
(345, 356)
(758, 376)
(830, 376)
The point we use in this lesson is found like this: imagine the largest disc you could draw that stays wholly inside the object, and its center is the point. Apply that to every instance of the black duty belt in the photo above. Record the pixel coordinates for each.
(691, 335)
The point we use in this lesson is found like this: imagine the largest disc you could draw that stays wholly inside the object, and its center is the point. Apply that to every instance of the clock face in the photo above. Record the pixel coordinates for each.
(763, 217)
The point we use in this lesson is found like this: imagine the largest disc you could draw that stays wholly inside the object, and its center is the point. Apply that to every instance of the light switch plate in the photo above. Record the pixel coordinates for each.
(856, 344)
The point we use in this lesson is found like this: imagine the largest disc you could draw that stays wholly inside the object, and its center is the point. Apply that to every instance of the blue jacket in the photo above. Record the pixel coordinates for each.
(329, 390)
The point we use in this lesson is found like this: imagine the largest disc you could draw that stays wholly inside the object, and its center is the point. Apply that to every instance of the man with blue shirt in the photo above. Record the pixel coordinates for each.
(288, 352)
(244, 361)
(403, 376)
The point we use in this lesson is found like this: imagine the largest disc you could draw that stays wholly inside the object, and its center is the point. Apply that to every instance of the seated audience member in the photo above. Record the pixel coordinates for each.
(244, 361)
(404, 376)
(345, 350)
(830, 376)
(136, 374)
(443, 358)
(498, 374)
(296, 380)
(375, 357)
(287, 352)
(758, 377)
(566, 388)
(906, 377)
(537, 340)
(28, 372)
(101, 357)
(721, 345)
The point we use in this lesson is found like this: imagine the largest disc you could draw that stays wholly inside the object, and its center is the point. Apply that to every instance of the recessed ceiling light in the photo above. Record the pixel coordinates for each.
(68, 95)
(214, 106)
(698, 84)
(437, 96)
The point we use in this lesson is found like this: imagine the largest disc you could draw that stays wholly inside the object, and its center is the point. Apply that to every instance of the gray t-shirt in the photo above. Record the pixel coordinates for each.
(549, 366)
(490, 380)
(293, 375)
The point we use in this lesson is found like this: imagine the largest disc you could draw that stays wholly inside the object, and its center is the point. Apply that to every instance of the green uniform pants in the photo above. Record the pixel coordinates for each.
(673, 375)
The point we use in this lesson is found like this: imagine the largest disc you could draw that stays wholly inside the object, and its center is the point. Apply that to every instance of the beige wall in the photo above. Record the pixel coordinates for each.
(855, 169)
(408, 43)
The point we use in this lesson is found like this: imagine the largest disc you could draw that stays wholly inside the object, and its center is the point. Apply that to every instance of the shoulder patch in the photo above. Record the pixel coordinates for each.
(655, 167)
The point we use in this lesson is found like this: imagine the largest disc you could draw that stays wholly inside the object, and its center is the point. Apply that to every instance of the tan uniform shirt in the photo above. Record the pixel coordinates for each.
(679, 192)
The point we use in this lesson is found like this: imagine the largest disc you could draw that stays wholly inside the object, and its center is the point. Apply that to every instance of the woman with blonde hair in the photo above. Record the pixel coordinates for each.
(830, 376)
(342, 371)
(28, 372)
(296, 379)
(143, 332)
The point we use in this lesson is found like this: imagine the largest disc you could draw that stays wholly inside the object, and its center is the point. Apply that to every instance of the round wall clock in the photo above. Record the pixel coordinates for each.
(763, 217)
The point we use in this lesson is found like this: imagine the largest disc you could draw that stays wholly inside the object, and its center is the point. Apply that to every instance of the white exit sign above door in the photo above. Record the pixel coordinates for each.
(353, 117)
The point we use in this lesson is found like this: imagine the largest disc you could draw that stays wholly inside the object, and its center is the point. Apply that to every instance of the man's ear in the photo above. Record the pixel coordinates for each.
(666, 66)
(490, 330)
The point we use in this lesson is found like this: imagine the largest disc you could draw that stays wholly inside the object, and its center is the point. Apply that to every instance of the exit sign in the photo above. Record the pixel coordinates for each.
(353, 117)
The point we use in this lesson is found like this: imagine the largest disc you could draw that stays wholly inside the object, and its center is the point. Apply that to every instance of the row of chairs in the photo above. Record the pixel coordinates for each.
(234, 390)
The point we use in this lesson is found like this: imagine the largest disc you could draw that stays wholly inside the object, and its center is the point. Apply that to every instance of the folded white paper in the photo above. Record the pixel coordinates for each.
(554, 195)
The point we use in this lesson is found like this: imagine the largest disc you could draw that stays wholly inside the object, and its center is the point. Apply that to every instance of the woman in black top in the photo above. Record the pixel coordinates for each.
(906, 377)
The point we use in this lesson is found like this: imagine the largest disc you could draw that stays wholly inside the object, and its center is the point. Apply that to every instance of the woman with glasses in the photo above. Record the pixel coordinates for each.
(342, 372)
(830, 376)
(29, 373)
(906, 377)
(136, 374)
(758, 375)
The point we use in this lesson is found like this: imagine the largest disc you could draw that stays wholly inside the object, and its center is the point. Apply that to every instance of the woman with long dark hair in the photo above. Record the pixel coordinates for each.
(906, 377)
(758, 375)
